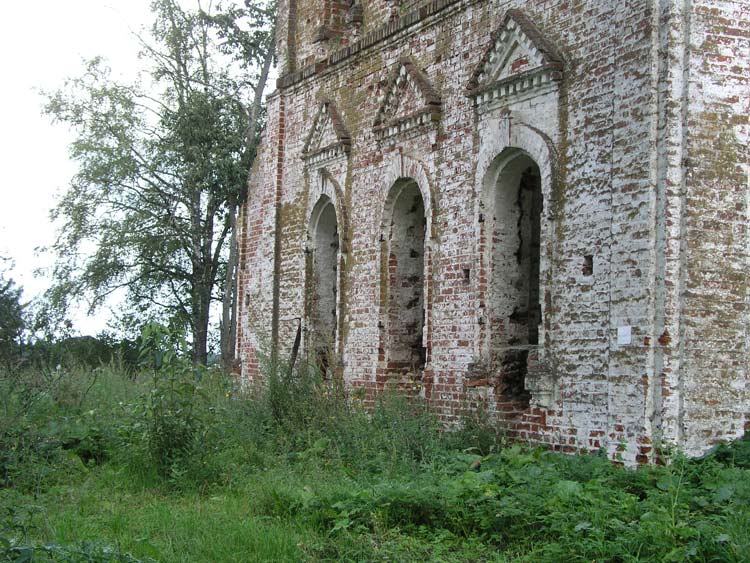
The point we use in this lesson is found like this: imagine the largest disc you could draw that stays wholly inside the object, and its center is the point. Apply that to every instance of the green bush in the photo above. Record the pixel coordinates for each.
(52, 553)
(304, 417)
(477, 433)
(557, 508)
(48, 430)
(178, 414)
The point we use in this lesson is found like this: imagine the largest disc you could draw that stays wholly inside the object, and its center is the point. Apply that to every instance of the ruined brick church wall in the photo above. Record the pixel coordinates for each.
(256, 242)
(378, 13)
(644, 223)
(714, 332)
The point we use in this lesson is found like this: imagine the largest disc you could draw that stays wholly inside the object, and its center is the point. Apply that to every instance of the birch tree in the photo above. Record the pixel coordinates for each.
(162, 168)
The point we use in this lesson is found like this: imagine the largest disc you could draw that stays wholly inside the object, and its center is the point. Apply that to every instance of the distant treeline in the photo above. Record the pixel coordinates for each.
(80, 351)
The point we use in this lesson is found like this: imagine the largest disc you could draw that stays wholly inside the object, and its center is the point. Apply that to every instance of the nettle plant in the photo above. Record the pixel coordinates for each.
(177, 410)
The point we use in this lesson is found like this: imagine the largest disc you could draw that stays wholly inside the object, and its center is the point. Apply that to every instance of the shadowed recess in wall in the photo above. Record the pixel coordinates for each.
(323, 256)
(514, 306)
(405, 239)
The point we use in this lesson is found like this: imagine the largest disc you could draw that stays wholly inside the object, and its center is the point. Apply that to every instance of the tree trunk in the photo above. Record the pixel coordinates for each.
(201, 313)
(229, 302)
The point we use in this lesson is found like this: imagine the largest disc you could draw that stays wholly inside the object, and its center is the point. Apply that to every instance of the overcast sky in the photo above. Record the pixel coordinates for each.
(42, 43)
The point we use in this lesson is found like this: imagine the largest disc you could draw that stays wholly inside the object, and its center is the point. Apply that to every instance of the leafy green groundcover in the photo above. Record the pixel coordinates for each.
(516, 505)
(83, 553)
(91, 471)
(545, 507)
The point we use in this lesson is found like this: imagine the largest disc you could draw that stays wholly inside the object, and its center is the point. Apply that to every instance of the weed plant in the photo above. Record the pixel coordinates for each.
(176, 464)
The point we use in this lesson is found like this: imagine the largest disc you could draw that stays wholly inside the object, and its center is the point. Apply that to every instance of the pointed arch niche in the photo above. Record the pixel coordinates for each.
(516, 236)
(326, 157)
(516, 89)
(323, 251)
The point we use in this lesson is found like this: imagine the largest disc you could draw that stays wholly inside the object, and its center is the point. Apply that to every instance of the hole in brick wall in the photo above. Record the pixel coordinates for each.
(514, 367)
(467, 275)
(588, 265)
(323, 301)
(405, 281)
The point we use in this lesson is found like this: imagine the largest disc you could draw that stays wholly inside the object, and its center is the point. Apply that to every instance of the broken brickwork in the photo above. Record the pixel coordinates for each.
(537, 207)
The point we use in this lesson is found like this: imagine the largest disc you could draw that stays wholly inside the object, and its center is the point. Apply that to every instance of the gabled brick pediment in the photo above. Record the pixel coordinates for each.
(518, 60)
(328, 136)
(410, 101)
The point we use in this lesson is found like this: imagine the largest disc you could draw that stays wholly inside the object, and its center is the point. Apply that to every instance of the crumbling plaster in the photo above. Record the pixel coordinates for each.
(635, 114)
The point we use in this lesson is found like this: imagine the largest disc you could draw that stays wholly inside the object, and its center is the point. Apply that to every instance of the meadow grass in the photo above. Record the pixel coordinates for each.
(296, 472)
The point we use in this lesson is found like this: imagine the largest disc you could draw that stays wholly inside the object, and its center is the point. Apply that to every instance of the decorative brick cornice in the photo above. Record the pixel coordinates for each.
(517, 84)
(516, 30)
(379, 35)
(315, 154)
(407, 73)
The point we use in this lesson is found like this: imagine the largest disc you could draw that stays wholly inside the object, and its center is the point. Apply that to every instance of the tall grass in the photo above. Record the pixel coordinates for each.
(102, 466)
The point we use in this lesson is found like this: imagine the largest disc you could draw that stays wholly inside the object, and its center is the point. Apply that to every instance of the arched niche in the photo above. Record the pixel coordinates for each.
(511, 217)
(507, 142)
(322, 310)
(404, 263)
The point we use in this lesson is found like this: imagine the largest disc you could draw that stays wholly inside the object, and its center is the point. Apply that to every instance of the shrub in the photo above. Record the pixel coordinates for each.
(178, 415)
(477, 433)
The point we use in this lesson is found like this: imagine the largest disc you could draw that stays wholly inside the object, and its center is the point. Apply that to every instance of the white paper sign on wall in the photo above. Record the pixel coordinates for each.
(624, 335)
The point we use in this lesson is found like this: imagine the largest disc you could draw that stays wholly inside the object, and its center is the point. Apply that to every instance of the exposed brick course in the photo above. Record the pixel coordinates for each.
(634, 118)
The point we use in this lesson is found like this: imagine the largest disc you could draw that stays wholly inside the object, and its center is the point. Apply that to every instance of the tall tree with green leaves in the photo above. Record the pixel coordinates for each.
(162, 167)
(12, 320)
